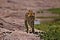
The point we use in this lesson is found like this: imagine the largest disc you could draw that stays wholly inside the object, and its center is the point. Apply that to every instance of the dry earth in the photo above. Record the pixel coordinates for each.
(16, 35)
(12, 13)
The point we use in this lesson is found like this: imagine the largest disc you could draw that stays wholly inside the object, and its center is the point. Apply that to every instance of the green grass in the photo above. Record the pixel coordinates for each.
(52, 30)
(42, 26)
(54, 10)
(49, 17)
(45, 26)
